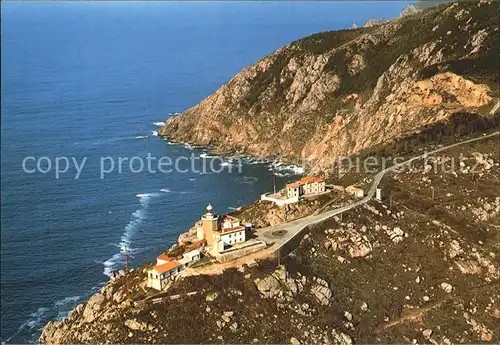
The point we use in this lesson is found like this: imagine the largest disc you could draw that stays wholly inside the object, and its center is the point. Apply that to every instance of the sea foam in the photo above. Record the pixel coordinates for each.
(59, 310)
(137, 217)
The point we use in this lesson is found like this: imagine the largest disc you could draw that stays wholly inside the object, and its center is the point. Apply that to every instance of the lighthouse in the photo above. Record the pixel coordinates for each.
(208, 225)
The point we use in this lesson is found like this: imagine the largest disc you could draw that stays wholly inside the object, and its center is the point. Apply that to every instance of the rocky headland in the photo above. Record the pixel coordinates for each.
(419, 266)
(335, 93)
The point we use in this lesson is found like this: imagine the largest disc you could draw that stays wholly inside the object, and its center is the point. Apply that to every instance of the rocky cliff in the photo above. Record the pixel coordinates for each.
(419, 267)
(336, 93)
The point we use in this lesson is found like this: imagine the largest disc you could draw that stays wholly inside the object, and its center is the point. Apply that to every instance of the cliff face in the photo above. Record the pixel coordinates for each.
(419, 267)
(335, 93)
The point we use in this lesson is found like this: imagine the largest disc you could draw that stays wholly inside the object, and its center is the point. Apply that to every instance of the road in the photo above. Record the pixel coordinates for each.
(296, 226)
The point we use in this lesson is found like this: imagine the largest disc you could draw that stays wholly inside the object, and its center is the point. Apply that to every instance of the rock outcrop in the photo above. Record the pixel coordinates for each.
(412, 270)
(336, 93)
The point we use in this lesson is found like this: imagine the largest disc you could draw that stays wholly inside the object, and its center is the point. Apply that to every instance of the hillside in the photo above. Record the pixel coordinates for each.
(336, 93)
(419, 266)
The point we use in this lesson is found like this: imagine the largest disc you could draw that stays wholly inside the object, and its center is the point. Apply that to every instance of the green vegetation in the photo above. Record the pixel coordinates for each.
(178, 250)
(424, 4)
(323, 42)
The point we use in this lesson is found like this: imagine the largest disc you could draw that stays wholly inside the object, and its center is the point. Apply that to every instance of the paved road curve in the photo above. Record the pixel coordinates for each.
(296, 226)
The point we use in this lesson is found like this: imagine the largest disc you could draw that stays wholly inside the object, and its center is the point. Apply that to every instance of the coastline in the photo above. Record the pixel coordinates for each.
(228, 154)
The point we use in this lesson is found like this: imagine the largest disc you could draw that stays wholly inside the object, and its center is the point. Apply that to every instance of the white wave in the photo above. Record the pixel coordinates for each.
(192, 179)
(36, 320)
(67, 300)
(36, 317)
(249, 179)
(225, 164)
(288, 170)
(141, 137)
(252, 161)
(65, 305)
(159, 123)
(137, 217)
(281, 174)
(146, 196)
(154, 133)
(206, 155)
(188, 146)
(166, 190)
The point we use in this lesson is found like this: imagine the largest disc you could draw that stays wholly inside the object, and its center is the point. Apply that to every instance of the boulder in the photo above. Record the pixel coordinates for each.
(427, 333)
(93, 307)
(447, 287)
(340, 338)
(454, 249)
(321, 291)
(211, 296)
(135, 325)
(269, 286)
(77, 311)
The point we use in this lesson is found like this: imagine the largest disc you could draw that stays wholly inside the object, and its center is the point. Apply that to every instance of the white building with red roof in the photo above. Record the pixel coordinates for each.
(167, 266)
(306, 186)
(220, 232)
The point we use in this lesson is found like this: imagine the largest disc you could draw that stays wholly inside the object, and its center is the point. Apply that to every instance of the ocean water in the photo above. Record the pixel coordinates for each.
(90, 79)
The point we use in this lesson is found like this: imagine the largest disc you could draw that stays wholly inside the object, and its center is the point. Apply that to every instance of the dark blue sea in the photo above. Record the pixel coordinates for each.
(90, 79)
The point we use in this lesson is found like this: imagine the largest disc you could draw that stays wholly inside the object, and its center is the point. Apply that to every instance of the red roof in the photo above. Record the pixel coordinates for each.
(165, 257)
(195, 245)
(236, 228)
(167, 267)
(305, 180)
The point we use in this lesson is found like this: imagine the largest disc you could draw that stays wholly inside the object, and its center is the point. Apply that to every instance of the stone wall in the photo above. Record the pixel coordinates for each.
(232, 254)
(279, 202)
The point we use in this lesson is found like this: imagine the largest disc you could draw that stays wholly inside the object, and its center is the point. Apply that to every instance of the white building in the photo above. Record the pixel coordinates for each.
(157, 277)
(357, 192)
(167, 267)
(220, 231)
(306, 186)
